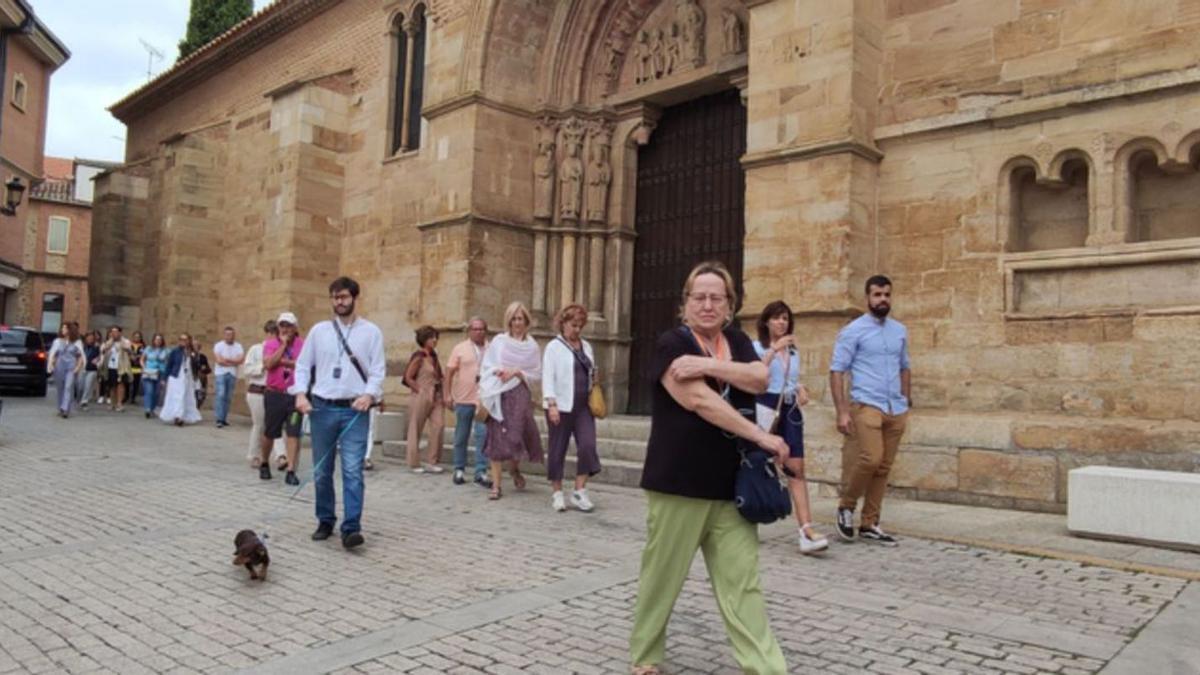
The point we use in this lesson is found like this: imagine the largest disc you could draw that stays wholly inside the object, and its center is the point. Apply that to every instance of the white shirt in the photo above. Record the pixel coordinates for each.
(558, 373)
(114, 356)
(224, 350)
(252, 368)
(323, 349)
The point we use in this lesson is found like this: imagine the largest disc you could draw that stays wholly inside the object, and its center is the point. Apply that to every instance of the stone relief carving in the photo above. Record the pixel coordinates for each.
(543, 170)
(731, 30)
(570, 171)
(690, 18)
(661, 51)
(599, 171)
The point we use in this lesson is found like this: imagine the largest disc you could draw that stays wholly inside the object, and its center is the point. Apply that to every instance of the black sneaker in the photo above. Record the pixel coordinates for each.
(874, 534)
(323, 532)
(264, 472)
(459, 478)
(352, 539)
(845, 524)
(483, 481)
(291, 479)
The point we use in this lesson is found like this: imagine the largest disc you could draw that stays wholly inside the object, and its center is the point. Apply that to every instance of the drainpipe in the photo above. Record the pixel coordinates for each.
(26, 28)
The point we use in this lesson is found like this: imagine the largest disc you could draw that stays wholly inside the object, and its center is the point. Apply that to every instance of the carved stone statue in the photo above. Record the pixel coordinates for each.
(599, 173)
(570, 172)
(641, 52)
(658, 54)
(543, 171)
(673, 48)
(731, 29)
(690, 18)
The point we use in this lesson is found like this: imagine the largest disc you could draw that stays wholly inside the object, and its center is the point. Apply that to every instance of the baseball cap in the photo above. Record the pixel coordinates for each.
(287, 317)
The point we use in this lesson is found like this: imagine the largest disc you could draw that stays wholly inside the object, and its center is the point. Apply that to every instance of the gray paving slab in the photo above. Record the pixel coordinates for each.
(118, 533)
(1168, 645)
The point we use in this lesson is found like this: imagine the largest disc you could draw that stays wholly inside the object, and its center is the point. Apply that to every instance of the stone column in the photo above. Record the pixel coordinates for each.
(409, 27)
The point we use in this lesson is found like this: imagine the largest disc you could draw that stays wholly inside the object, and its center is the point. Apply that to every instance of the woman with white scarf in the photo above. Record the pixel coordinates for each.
(179, 403)
(511, 363)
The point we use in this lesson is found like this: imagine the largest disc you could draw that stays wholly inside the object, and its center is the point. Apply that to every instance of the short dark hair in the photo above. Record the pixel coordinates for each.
(271, 327)
(424, 333)
(772, 310)
(229, 328)
(344, 284)
(877, 280)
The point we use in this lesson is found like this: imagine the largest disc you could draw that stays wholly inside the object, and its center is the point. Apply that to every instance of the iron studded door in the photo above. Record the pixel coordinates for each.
(690, 208)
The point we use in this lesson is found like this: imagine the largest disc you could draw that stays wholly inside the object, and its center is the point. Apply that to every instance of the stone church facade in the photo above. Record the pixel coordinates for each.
(1026, 171)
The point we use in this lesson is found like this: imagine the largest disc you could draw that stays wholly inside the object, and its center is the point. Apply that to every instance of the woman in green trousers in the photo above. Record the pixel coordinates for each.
(707, 371)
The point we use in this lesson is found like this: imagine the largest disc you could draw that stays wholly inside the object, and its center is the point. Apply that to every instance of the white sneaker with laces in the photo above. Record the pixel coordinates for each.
(557, 501)
(417, 469)
(810, 545)
(432, 468)
(579, 499)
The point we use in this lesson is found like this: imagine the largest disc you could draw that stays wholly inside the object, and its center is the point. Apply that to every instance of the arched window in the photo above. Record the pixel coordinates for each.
(408, 80)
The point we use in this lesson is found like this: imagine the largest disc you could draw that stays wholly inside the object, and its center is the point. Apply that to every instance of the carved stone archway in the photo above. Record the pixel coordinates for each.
(604, 71)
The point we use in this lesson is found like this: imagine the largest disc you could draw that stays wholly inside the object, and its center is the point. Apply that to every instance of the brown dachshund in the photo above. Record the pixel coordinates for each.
(251, 551)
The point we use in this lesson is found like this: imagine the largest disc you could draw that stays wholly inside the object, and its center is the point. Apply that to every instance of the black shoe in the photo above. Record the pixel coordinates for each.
(874, 534)
(291, 479)
(264, 472)
(845, 524)
(323, 532)
(368, 465)
(352, 539)
(147, 415)
(459, 479)
(483, 482)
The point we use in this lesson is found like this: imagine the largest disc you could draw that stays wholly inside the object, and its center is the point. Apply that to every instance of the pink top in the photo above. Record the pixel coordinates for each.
(281, 377)
(466, 357)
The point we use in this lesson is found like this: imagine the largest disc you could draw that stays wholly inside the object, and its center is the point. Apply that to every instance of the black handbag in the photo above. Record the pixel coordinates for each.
(758, 493)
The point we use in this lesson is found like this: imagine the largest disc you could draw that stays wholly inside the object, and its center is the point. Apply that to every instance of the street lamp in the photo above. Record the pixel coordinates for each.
(13, 190)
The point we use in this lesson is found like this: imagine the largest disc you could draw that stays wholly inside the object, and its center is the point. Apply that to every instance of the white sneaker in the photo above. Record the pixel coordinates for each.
(557, 502)
(579, 500)
(432, 468)
(417, 469)
(808, 545)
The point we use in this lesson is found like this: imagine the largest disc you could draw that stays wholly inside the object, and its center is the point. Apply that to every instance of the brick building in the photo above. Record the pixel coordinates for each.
(29, 54)
(1025, 170)
(58, 250)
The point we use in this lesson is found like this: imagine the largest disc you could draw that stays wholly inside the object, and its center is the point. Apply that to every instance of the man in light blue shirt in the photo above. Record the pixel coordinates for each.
(874, 350)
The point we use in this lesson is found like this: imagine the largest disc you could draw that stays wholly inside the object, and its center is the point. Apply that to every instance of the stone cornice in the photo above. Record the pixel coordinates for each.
(460, 101)
(252, 34)
(1021, 110)
(804, 152)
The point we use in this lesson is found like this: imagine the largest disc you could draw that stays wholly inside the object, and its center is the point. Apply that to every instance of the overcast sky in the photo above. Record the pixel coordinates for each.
(107, 62)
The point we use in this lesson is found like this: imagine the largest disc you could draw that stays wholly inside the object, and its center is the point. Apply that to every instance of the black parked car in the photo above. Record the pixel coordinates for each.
(22, 359)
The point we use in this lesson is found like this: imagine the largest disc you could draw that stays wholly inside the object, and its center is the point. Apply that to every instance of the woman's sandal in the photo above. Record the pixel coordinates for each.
(495, 493)
(646, 670)
(519, 480)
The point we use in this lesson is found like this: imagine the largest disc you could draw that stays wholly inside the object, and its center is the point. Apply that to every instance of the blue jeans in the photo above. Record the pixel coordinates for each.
(464, 422)
(327, 423)
(149, 393)
(226, 383)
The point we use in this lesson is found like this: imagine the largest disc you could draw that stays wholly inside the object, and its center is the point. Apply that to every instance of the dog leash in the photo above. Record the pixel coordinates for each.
(274, 515)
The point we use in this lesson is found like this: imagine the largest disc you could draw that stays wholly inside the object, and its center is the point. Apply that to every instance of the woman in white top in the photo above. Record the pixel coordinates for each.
(256, 383)
(510, 365)
(179, 403)
(66, 360)
(568, 371)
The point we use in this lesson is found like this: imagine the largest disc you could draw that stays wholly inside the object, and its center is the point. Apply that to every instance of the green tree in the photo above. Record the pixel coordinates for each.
(210, 18)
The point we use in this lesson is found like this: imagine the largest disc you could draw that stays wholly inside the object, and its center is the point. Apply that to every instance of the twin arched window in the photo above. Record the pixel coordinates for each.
(408, 80)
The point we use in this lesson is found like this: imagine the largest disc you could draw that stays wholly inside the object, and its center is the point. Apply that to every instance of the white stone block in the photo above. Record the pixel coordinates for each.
(1134, 504)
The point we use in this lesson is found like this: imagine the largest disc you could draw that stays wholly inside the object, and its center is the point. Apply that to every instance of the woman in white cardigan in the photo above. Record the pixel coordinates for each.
(568, 370)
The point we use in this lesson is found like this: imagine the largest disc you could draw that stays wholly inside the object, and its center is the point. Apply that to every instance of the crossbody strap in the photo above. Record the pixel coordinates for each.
(346, 346)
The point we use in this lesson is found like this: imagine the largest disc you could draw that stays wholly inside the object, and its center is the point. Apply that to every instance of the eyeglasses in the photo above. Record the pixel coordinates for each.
(713, 299)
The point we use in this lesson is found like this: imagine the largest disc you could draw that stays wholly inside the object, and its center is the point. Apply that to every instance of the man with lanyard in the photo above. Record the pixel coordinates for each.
(346, 356)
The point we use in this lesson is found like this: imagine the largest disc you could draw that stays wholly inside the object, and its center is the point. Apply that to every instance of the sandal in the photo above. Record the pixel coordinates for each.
(519, 480)
(646, 670)
(495, 493)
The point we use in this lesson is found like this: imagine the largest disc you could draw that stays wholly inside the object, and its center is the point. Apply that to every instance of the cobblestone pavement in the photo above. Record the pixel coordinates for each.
(118, 538)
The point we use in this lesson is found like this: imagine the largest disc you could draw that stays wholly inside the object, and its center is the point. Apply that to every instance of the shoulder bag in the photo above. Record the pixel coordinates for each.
(758, 493)
(596, 403)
